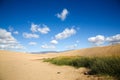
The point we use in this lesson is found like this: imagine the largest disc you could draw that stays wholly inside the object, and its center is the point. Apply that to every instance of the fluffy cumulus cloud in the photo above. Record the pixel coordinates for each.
(97, 40)
(46, 46)
(63, 14)
(30, 35)
(7, 41)
(34, 27)
(43, 29)
(114, 39)
(54, 42)
(65, 34)
(32, 43)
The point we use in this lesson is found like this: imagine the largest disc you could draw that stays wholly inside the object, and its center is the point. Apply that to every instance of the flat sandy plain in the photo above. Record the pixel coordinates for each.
(26, 66)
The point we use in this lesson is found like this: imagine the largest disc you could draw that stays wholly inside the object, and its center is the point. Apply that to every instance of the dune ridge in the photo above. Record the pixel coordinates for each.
(112, 50)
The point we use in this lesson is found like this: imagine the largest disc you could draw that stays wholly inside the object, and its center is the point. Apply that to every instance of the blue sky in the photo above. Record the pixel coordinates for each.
(58, 25)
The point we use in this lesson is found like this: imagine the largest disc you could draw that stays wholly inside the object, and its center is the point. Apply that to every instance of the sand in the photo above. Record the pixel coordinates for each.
(24, 66)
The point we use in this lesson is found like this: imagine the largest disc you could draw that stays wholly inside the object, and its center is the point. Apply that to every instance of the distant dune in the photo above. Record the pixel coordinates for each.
(95, 51)
(111, 50)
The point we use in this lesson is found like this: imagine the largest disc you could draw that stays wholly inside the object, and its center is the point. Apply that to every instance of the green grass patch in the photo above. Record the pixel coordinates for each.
(98, 65)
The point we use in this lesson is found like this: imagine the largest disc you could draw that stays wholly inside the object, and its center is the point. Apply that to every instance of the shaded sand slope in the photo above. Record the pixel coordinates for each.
(21, 66)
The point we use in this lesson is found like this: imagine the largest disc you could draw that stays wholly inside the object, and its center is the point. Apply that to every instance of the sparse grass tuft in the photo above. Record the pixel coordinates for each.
(98, 65)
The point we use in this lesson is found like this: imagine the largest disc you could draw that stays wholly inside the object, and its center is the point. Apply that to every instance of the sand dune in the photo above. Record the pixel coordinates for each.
(24, 66)
(113, 50)
(21, 66)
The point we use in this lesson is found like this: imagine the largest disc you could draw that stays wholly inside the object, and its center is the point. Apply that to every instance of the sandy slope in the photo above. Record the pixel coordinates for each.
(21, 66)
(113, 50)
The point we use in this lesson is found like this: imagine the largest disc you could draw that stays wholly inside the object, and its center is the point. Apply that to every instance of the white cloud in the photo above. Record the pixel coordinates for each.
(63, 14)
(11, 29)
(10, 46)
(32, 43)
(34, 27)
(45, 46)
(29, 35)
(54, 42)
(72, 46)
(3, 46)
(18, 46)
(7, 41)
(43, 29)
(65, 34)
(113, 39)
(97, 40)
(16, 32)
(6, 37)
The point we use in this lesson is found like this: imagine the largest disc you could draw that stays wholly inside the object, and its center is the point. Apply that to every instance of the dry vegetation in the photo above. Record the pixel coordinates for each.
(97, 65)
(100, 60)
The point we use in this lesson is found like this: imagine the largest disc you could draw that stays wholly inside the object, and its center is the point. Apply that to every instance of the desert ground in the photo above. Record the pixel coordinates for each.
(26, 66)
